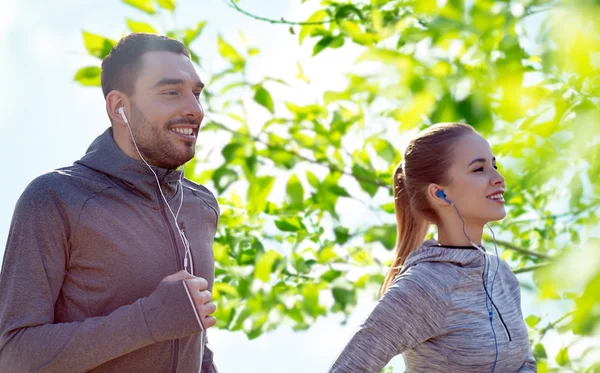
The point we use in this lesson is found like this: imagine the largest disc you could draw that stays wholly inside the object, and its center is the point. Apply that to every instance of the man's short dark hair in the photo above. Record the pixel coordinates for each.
(121, 66)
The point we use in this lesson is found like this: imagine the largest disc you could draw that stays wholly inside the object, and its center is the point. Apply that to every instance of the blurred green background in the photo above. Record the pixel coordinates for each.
(309, 105)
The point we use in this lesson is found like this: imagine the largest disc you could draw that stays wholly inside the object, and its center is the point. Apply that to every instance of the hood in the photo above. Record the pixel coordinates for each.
(431, 251)
(105, 156)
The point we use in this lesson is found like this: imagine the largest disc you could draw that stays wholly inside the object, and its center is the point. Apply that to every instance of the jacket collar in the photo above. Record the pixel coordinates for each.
(104, 155)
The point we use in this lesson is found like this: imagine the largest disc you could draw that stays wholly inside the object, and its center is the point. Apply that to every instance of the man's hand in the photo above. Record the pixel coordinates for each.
(202, 297)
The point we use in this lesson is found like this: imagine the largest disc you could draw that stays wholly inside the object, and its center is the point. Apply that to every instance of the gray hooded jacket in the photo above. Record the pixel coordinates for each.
(435, 315)
(80, 287)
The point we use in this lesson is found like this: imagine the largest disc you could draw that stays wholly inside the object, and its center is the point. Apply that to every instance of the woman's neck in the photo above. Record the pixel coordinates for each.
(452, 235)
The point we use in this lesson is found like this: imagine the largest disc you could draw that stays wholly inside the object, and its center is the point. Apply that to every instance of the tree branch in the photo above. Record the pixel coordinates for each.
(233, 4)
(512, 247)
(529, 269)
(552, 325)
(536, 11)
(332, 167)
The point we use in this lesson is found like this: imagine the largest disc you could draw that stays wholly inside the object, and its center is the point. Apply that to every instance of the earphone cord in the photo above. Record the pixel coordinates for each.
(181, 235)
(486, 272)
(490, 310)
(186, 243)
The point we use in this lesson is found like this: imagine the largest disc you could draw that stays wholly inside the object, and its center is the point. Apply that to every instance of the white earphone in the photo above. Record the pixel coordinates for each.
(122, 112)
(184, 239)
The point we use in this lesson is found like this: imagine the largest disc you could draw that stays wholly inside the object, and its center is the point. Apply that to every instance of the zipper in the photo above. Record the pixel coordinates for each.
(191, 259)
(177, 264)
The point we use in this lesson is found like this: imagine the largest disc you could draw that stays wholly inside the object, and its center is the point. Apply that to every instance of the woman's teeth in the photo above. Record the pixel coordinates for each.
(184, 131)
(497, 197)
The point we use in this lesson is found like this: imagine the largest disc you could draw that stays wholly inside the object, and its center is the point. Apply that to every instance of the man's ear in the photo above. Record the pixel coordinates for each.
(115, 100)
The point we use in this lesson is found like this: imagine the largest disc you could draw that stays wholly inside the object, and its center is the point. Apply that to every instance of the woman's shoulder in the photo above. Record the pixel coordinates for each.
(428, 280)
(433, 274)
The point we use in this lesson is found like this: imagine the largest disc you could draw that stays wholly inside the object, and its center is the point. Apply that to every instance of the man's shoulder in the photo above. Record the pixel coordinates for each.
(70, 183)
(203, 193)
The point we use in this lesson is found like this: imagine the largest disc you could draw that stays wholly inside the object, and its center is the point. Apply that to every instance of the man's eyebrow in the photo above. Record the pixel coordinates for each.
(173, 81)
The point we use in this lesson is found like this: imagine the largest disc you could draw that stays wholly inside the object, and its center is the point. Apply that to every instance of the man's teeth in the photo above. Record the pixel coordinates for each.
(185, 131)
(498, 197)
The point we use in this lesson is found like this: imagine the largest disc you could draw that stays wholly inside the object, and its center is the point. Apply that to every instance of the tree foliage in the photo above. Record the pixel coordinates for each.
(525, 74)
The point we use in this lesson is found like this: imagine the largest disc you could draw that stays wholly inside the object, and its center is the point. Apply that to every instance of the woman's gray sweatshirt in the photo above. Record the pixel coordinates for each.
(435, 315)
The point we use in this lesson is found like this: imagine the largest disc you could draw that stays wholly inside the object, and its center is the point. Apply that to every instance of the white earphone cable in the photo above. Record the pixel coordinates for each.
(186, 243)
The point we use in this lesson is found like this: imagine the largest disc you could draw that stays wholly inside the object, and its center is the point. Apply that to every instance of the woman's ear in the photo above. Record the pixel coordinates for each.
(434, 197)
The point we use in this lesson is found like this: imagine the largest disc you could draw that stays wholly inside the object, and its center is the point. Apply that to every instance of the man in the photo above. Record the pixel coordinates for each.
(93, 277)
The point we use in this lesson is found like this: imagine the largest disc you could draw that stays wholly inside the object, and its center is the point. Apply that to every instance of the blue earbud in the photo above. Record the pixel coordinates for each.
(442, 195)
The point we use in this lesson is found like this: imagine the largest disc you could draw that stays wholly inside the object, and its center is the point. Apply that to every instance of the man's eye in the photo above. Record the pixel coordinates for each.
(171, 93)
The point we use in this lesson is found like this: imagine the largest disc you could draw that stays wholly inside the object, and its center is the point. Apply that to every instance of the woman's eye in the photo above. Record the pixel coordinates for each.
(171, 93)
(480, 169)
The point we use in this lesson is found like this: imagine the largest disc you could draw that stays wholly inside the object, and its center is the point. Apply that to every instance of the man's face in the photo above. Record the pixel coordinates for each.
(165, 110)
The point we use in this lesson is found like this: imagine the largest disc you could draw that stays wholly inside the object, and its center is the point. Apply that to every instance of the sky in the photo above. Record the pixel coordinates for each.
(47, 121)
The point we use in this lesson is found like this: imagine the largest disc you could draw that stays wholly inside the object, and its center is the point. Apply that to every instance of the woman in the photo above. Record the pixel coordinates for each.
(447, 305)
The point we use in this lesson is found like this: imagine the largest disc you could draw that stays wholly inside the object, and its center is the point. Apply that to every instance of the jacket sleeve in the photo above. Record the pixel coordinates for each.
(408, 314)
(34, 266)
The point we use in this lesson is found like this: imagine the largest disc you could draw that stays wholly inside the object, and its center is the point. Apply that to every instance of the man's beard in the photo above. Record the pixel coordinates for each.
(154, 144)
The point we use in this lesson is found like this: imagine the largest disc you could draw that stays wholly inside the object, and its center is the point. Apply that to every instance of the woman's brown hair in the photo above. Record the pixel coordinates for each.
(427, 158)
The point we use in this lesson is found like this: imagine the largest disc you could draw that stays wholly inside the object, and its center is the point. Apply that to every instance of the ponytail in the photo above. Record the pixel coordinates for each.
(411, 230)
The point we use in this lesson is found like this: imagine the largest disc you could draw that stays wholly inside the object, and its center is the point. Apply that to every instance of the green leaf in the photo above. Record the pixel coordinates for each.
(328, 41)
(389, 207)
(223, 177)
(342, 234)
(532, 321)
(230, 54)
(232, 151)
(344, 297)
(313, 180)
(562, 358)
(167, 4)
(258, 192)
(330, 275)
(88, 76)
(476, 112)
(192, 33)
(138, 26)
(339, 191)
(386, 234)
(288, 225)
(263, 98)
(307, 30)
(281, 158)
(384, 149)
(327, 255)
(97, 45)
(362, 174)
(143, 5)
(346, 10)
(294, 192)
(222, 288)
(264, 265)
(310, 297)
(300, 74)
(539, 351)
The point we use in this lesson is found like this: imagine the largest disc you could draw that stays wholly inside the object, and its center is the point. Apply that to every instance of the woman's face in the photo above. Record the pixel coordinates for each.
(476, 186)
